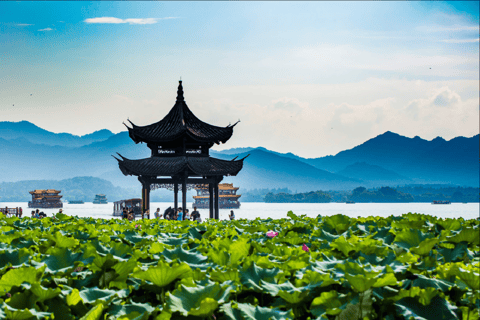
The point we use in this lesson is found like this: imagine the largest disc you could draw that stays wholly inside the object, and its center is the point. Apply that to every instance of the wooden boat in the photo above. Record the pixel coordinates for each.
(441, 202)
(136, 204)
(45, 199)
(75, 202)
(100, 199)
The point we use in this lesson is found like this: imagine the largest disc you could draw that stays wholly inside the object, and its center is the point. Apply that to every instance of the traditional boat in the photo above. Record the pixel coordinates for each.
(136, 204)
(45, 199)
(227, 197)
(441, 202)
(100, 199)
(75, 202)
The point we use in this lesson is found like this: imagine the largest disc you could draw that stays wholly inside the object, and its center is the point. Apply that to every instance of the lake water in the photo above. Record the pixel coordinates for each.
(252, 210)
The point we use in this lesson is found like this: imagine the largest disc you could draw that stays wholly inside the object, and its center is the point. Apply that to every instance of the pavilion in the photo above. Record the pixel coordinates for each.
(180, 158)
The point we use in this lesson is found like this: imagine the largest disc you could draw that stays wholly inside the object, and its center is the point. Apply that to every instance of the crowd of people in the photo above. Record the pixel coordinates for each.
(179, 214)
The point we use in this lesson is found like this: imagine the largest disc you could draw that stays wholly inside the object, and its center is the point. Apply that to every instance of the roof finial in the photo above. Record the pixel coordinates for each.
(180, 91)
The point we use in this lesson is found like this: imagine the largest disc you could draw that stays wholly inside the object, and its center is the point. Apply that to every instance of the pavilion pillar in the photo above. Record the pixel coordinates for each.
(210, 193)
(145, 197)
(175, 192)
(217, 213)
(184, 197)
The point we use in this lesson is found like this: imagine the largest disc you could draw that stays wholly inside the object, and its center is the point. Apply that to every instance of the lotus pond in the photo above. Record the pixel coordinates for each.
(407, 267)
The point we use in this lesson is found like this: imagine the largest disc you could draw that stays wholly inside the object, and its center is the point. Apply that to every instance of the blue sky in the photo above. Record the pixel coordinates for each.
(312, 78)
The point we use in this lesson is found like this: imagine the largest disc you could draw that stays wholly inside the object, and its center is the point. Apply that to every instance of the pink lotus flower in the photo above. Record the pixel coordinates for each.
(305, 248)
(272, 234)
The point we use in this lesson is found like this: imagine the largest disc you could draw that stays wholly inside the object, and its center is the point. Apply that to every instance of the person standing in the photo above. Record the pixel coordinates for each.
(232, 215)
(157, 213)
(180, 214)
(195, 214)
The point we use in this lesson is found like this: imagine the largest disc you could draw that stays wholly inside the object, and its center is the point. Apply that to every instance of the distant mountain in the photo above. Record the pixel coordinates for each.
(388, 158)
(263, 169)
(437, 161)
(373, 175)
(29, 131)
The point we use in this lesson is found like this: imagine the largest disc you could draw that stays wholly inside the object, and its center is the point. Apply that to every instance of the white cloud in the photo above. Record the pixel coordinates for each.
(460, 40)
(24, 24)
(454, 28)
(113, 20)
(46, 29)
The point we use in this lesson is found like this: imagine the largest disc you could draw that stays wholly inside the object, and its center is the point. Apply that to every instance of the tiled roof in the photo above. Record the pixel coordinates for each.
(169, 166)
(180, 121)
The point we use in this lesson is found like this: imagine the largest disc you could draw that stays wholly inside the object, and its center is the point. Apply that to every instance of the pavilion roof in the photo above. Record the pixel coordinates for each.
(180, 121)
(170, 166)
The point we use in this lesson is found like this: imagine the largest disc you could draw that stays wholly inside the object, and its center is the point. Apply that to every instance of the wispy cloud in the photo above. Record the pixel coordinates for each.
(129, 21)
(46, 29)
(460, 40)
(24, 24)
(452, 28)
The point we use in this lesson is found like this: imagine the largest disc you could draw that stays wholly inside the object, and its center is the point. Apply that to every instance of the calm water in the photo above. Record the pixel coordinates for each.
(252, 210)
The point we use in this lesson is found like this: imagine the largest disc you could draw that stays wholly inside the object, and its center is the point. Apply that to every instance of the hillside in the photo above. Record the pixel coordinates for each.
(37, 135)
(388, 159)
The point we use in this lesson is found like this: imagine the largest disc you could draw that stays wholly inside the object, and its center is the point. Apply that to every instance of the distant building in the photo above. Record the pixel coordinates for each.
(49, 198)
(227, 198)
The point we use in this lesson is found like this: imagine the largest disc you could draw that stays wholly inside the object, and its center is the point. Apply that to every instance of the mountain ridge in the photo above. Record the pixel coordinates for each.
(415, 160)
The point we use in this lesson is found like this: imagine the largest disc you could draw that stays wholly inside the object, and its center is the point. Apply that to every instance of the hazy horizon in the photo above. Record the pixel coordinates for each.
(311, 78)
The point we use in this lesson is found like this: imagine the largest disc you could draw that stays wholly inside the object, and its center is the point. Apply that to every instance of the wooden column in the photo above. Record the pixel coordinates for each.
(175, 191)
(210, 192)
(145, 198)
(184, 197)
(217, 212)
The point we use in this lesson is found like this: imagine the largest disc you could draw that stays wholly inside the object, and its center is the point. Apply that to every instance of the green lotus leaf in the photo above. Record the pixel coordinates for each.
(423, 282)
(342, 245)
(14, 257)
(62, 241)
(156, 247)
(328, 303)
(198, 301)
(163, 274)
(25, 314)
(238, 250)
(94, 314)
(62, 217)
(274, 288)
(220, 276)
(472, 279)
(59, 308)
(245, 311)
(410, 238)
(468, 235)
(455, 252)
(44, 293)
(358, 308)
(15, 277)
(437, 309)
(192, 257)
(117, 249)
(73, 298)
(122, 270)
(64, 260)
(449, 224)
(253, 276)
(424, 247)
(338, 222)
(294, 297)
(386, 280)
(360, 282)
(115, 311)
(327, 263)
